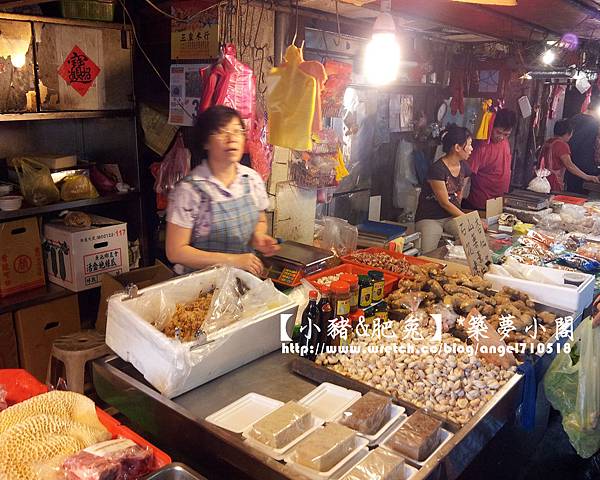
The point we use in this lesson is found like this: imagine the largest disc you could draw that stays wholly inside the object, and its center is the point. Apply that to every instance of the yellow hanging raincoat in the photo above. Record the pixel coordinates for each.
(291, 103)
(483, 132)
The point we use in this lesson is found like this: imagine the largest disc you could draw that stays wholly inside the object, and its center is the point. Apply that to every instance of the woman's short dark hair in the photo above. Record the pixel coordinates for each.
(505, 119)
(562, 127)
(454, 135)
(208, 123)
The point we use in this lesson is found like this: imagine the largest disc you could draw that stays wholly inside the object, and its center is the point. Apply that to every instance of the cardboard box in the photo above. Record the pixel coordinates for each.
(9, 355)
(21, 265)
(37, 327)
(142, 277)
(76, 258)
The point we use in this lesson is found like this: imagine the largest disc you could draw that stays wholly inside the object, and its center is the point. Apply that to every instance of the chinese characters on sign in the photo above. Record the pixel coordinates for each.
(79, 71)
(198, 39)
(474, 242)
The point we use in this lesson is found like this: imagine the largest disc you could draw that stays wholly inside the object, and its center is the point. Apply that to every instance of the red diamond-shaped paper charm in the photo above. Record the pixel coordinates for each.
(79, 71)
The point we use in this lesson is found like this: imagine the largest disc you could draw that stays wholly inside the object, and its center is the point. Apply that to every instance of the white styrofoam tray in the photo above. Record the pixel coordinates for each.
(347, 462)
(279, 453)
(444, 437)
(409, 470)
(558, 295)
(244, 412)
(396, 418)
(328, 401)
(171, 366)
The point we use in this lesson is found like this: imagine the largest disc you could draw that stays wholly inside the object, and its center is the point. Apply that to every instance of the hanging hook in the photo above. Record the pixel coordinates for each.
(339, 30)
(296, 31)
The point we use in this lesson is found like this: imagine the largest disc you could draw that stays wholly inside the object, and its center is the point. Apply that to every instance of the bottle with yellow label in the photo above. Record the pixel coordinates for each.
(378, 284)
(340, 298)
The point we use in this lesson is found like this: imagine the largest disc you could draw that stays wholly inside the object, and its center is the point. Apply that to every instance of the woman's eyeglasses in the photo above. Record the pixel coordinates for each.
(222, 133)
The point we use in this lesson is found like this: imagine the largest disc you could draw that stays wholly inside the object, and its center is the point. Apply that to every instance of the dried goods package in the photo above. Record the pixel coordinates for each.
(379, 464)
(174, 367)
(418, 437)
(282, 426)
(325, 447)
(368, 413)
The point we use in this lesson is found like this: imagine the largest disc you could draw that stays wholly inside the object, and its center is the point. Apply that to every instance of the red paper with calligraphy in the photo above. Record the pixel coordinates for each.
(79, 71)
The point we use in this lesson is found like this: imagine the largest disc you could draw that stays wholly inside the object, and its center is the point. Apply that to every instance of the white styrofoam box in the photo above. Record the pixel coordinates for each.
(173, 367)
(239, 415)
(565, 297)
(76, 258)
(328, 401)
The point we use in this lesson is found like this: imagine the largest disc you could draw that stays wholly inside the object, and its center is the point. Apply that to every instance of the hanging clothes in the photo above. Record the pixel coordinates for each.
(457, 87)
(291, 103)
(339, 76)
(318, 72)
(231, 83)
(484, 130)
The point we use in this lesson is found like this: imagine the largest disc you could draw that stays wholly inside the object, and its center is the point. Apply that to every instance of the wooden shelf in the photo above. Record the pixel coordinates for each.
(56, 207)
(33, 297)
(25, 117)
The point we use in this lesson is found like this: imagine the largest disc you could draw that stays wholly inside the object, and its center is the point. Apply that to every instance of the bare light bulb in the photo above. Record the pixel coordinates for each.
(548, 57)
(382, 59)
(18, 59)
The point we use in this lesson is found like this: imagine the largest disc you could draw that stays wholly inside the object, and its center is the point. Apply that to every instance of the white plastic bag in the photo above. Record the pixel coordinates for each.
(540, 183)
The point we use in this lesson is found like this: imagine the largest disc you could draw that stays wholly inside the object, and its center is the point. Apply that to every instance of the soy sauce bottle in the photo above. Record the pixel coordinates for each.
(326, 312)
(309, 333)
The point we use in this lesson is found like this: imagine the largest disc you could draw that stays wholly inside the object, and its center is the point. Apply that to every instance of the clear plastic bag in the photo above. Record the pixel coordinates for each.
(540, 183)
(77, 187)
(36, 183)
(368, 413)
(337, 235)
(325, 447)
(379, 463)
(174, 166)
(572, 385)
(282, 426)
(418, 436)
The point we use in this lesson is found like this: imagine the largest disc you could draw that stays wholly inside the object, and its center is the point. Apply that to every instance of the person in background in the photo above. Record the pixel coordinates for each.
(557, 155)
(491, 163)
(583, 145)
(442, 193)
(216, 215)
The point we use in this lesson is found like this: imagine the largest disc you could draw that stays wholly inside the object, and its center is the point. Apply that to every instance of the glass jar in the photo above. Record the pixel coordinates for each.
(381, 311)
(378, 284)
(340, 298)
(351, 280)
(365, 295)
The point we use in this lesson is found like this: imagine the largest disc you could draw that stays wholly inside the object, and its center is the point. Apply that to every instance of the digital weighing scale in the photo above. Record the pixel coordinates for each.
(295, 261)
(527, 200)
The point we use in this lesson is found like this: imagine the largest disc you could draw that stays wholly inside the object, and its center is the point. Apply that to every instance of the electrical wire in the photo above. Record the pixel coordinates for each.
(179, 19)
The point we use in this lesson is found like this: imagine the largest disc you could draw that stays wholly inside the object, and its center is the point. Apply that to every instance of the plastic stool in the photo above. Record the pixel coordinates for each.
(74, 351)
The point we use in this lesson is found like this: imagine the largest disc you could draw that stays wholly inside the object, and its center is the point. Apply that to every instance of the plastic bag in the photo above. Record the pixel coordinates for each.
(586, 265)
(540, 183)
(368, 414)
(102, 181)
(261, 152)
(36, 183)
(77, 187)
(572, 385)
(174, 167)
(337, 235)
(379, 463)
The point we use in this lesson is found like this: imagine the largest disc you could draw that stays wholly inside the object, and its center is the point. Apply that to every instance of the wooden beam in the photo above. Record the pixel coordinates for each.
(22, 3)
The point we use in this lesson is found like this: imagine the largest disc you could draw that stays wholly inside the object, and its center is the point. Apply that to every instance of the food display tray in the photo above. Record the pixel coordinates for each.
(373, 250)
(390, 279)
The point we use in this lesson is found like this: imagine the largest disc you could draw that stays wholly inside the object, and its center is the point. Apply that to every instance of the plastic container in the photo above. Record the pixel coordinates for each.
(568, 199)
(328, 401)
(102, 10)
(239, 415)
(11, 202)
(175, 471)
(410, 260)
(21, 385)
(390, 279)
(352, 280)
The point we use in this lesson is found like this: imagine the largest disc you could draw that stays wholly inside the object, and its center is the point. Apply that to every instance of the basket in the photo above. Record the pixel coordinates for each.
(390, 279)
(21, 385)
(101, 10)
(411, 260)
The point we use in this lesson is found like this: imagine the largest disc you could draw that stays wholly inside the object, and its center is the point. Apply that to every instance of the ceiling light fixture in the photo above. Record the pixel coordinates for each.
(548, 57)
(382, 56)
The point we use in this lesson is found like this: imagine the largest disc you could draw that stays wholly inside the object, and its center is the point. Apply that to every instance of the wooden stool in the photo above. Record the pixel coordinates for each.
(74, 351)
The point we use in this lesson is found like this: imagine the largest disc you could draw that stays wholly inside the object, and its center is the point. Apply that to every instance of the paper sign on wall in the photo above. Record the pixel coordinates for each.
(79, 71)
(186, 92)
(474, 242)
(198, 39)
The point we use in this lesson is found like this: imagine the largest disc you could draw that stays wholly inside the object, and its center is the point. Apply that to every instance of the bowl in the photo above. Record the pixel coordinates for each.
(11, 202)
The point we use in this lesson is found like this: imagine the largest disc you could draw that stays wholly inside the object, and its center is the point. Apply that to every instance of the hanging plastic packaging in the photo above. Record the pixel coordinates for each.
(483, 132)
(174, 166)
(572, 385)
(291, 103)
(540, 183)
(231, 83)
(260, 150)
(36, 183)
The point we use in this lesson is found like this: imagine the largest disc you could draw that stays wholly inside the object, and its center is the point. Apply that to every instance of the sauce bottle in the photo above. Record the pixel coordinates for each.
(352, 280)
(308, 332)
(326, 313)
(378, 284)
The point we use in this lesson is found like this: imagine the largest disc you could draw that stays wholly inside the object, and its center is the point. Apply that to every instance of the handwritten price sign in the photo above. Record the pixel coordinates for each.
(474, 242)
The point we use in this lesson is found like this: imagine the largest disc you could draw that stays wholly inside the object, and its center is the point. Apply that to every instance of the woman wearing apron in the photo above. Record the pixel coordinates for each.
(216, 215)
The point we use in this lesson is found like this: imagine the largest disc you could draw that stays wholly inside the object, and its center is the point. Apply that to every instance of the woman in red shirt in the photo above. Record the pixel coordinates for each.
(557, 155)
